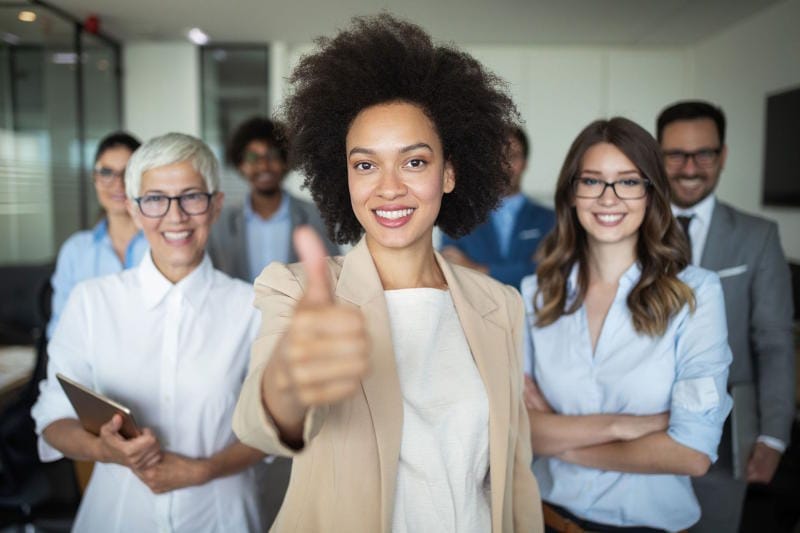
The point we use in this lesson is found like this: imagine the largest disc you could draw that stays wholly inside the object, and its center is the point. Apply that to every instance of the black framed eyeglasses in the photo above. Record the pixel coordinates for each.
(273, 154)
(624, 189)
(157, 205)
(703, 158)
(106, 175)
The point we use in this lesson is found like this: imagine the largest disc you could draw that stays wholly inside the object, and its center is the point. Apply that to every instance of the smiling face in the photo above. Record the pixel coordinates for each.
(609, 220)
(691, 183)
(263, 167)
(397, 175)
(177, 240)
(111, 189)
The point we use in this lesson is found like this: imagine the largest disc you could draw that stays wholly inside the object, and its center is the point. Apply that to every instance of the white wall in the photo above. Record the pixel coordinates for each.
(737, 69)
(161, 88)
(559, 90)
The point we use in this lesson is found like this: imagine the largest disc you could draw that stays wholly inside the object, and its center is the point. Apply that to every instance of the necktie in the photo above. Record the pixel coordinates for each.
(684, 222)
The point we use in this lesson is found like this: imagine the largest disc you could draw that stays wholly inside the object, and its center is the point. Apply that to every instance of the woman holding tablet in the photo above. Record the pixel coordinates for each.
(628, 344)
(393, 378)
(170, 340)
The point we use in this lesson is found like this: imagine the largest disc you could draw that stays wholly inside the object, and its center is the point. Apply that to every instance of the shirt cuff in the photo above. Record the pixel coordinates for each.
(772, 442)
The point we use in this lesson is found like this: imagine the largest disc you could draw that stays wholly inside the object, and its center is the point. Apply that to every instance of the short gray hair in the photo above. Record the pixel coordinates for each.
(167, 150)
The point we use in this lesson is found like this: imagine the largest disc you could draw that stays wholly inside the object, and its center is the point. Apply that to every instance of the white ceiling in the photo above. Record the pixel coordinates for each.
(506, 22)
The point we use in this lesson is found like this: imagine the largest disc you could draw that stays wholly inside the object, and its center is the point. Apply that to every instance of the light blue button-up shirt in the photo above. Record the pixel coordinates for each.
(683, 371)
(503, 219)
(267, 240)
(85, 255)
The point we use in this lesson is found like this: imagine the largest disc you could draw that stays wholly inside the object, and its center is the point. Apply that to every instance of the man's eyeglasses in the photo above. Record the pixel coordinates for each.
(157, 205)
(269, 157)
(106, 175)
(704, 158)
(625, 189)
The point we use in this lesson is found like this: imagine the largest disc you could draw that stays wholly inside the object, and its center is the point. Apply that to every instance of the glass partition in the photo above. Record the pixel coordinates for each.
(59, 93)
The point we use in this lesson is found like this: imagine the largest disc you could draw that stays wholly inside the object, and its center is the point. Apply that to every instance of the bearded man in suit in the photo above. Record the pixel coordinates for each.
(746, 253)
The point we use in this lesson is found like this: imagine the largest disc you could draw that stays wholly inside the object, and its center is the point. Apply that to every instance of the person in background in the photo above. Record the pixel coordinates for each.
(628, 354)
(115, 243)
(504, 246)
(169, 339)
(250, 236)
(393, 378)
(745, 251)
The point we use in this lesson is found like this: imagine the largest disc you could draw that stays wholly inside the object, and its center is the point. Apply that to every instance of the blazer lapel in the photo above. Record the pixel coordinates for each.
(485, 337)
(360, 285)
(714, 251)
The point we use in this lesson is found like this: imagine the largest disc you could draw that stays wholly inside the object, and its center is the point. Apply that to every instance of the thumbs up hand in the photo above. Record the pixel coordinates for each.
(324, 354)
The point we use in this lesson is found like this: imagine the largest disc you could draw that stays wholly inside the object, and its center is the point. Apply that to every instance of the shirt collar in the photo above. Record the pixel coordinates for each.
(100, 231)
(512, 202)
(194, 288)
(702, 210)
(628, 280)
(282, 212)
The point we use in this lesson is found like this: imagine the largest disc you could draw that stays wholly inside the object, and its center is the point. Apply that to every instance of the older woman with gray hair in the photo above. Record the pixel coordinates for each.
(170, 340)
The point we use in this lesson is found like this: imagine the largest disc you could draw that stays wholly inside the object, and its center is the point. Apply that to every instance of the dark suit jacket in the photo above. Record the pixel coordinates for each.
(744, 250)
(227, 244)
(533, 222)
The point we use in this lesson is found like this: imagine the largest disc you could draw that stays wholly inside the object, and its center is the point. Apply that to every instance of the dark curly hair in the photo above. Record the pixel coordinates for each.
(263, 129)
(380, 59)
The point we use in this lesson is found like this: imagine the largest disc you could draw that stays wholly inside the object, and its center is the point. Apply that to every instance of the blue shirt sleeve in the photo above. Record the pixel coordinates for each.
(700, 402)
(64, 278)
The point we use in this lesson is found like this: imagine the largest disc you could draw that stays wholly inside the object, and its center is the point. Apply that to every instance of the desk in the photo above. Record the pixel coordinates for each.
(16, 367)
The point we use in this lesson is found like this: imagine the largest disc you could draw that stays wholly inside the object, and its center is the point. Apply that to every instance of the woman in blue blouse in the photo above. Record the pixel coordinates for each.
(115, 243)
(627, 345)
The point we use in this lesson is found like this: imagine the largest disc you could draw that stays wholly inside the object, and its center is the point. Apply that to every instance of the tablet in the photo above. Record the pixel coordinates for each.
(94, 409)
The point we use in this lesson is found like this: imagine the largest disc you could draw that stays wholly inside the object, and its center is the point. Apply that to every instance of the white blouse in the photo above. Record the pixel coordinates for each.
(443, 474)
(176, 355)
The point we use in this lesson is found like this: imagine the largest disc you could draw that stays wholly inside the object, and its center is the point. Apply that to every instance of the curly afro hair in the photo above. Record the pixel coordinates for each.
(381, 59)
(257, 129)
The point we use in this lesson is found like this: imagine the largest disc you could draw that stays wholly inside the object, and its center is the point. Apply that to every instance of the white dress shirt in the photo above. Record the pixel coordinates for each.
(442, 476)
(176, 355)
(698, 227)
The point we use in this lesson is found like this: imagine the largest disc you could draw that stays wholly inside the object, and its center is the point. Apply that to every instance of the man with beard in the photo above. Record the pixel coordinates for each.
(247, 238)
(745, 251)
(504, 246)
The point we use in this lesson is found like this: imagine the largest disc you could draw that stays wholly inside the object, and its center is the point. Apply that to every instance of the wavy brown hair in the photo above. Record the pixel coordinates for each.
(661, 249)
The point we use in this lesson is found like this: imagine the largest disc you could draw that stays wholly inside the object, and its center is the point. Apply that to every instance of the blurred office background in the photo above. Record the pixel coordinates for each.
(62, 87)
(72, 71)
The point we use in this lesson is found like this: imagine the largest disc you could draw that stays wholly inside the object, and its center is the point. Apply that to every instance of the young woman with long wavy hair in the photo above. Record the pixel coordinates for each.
(627, 344)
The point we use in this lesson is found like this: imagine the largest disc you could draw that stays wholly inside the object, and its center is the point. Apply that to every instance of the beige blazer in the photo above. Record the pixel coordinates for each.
(344, 478)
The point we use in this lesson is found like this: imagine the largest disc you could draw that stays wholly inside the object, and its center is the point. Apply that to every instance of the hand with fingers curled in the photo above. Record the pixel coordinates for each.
(174, 471)
(136, 453)
(324, 354)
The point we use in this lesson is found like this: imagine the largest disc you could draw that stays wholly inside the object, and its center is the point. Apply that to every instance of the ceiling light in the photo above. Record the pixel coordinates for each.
(197, 36)
(27, 16)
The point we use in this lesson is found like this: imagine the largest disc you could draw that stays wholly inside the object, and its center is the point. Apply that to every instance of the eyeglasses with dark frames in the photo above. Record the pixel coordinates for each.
(624, 189)
(106, 175)
(157, 205)
(703, 158)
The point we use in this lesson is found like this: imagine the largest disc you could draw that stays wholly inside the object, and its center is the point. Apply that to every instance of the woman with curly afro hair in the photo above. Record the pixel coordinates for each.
(392, 378)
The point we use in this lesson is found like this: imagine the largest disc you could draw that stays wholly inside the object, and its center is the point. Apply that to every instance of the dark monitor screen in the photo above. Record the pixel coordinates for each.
(782, 151)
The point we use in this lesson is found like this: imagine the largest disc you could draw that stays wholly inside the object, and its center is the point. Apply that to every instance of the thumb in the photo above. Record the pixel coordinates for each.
(312, 254)
(113, 425)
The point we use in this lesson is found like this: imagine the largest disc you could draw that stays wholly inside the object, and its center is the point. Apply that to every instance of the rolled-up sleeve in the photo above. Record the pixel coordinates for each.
(700, 402)
(68, 354)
